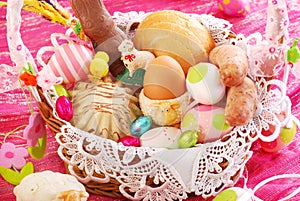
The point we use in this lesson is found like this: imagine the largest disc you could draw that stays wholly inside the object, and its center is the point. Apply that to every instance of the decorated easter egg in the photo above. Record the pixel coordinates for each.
(130, 141)
(71, 62)
(64, 108)
(164, 79)
(208, 120)
(140, 125)
(204, 84)
(161, 137)
(237, 8)
(285, 137)
(188, 139)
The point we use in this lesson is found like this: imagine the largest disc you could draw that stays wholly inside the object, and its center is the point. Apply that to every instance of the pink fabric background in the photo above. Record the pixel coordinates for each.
(36, 31)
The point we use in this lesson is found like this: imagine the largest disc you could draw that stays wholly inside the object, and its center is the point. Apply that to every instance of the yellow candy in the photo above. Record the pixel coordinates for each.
(99, 67)
(102, 55)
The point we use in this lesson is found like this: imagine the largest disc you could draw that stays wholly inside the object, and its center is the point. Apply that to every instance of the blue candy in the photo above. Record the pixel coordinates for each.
(140, 125)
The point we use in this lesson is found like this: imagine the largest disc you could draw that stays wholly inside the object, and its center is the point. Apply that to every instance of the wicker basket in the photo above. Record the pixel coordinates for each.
(112, 187)
(111, 169)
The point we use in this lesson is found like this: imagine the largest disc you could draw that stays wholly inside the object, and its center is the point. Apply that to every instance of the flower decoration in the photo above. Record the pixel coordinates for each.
(11, 156)
(28, 79)
(35, 130)
(46, 79)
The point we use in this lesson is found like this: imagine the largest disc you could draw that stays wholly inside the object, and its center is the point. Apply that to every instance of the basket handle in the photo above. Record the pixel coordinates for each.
(41, 52)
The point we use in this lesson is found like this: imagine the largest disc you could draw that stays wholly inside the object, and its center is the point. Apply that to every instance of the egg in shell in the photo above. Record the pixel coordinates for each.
(161, 137)
(204, 84)
(164, 79)
(208, 120)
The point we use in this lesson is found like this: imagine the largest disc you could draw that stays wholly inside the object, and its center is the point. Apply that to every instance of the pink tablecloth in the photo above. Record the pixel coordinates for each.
(36, 31)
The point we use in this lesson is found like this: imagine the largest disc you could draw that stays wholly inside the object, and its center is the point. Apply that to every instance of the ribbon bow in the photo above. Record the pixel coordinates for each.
(130, 57)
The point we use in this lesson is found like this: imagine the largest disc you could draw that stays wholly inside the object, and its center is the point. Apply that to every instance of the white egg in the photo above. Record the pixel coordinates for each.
(204, 84)
(161, 137)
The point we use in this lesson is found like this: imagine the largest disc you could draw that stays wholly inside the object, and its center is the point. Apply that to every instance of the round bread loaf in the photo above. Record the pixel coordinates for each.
(174, 34)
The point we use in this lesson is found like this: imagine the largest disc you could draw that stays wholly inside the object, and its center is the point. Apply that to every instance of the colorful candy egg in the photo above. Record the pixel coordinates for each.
(71, 62)
(140, 125)
(209, 121)
(204, 84)
(64, 108)
(161, 137)
(237, 8)
(285, 137)
(188, 139)
(130, 141)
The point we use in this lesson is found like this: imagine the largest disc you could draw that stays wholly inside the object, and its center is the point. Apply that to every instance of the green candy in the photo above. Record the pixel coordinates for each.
(188, 139)
(61, 90)
(228, 195)
(288, 134)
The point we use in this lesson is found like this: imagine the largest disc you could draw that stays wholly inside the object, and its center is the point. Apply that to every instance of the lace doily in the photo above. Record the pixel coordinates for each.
(202, 173)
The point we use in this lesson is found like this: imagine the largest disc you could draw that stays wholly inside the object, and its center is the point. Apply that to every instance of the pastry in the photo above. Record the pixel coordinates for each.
(104, 109)
(175, 34)
(50, 186)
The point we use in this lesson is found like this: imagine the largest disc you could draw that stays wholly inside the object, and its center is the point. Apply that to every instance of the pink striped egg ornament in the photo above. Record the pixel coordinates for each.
(71, 62)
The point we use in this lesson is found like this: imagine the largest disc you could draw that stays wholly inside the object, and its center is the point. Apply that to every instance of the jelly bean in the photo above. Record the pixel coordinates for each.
(64, 108)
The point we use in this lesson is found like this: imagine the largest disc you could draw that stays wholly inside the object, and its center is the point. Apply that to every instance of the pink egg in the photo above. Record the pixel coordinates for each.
(64, 108)
(130, 141)
(208, 120)
(71, 62)
(234, 7)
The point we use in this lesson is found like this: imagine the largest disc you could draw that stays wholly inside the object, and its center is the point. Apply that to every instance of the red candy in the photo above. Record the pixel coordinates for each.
(64, 108)
(130, 141)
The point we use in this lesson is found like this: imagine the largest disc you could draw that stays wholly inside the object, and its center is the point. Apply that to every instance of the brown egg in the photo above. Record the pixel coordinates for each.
(164, 79)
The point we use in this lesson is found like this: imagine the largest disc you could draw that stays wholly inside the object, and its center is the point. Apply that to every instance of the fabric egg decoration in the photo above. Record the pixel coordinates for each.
(286, 136)
(164, 79)
(237, 8)
(208, 120)
(161, 137)
(204, 84)
(71, 62)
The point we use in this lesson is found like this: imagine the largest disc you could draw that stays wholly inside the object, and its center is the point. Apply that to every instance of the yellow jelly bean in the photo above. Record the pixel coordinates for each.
(99, 67)
(102, 55)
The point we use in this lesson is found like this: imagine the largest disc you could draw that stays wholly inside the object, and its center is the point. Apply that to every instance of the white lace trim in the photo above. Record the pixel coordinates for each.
(202, 172)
